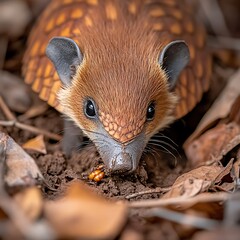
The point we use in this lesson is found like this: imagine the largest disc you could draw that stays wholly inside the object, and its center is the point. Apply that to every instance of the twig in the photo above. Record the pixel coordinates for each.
(13, 122)
(194, 221)
(215, 17)
(32, 129)
(156, 190)
(204, 197)
(34, 111)
(6, 111)
(224, 42)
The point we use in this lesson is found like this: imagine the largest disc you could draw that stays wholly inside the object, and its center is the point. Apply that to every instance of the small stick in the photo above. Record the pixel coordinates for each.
(12, 122)
(204, 197)
(224, 42)
(32, 129)
(6, 111)
(215, 17)
(190, 220)
(156, 190)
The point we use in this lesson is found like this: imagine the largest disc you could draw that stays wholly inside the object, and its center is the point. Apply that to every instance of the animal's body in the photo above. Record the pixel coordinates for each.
(120, 69)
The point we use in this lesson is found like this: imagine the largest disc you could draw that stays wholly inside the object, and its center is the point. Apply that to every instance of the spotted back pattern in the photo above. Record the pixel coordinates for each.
(171, 18)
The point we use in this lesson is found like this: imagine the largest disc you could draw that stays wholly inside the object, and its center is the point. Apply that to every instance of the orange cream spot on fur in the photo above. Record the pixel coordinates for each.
(40, 71)
(65, 31)
(177, 14)
(48, 82)
(50, 25)
(29, 77)
(67, 1)
(92, 2)
(43, 48)
(76, 13)
(158, 12)
(56, 86)
(88, 21)
(44, 94)
(176, 28)
(36, 85)
(158, 26)
(52, 99)
(47, 70)
(61, 19)
(192, 51)
(77, 31)
(111, 11)
(32, 65)
(35, 48)
(132, 8)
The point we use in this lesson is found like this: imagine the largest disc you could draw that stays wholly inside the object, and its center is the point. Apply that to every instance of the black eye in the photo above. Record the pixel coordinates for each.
(90, 109)
(151, 111)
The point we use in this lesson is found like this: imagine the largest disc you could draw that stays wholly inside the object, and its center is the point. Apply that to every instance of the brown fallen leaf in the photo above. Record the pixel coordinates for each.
(221, 109)
(36, 144)
(213, 144)
(31, 202)
(21, 169)
(85, 215)
(197, 181)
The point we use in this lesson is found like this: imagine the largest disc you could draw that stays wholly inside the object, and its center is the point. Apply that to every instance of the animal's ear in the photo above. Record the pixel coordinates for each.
(66, 56)
(173, 59)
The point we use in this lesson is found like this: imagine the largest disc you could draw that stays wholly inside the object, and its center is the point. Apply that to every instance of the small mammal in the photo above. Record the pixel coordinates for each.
(121, 70)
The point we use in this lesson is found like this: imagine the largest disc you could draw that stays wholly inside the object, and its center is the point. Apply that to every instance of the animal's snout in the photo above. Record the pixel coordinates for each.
(122, 163)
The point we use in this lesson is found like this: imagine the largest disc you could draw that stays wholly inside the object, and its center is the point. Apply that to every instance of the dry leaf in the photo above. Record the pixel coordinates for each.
(21, 169)
(34, 111)
(85, 215)
(212, 145)
(36, 144)
(31, 202)
(221, 108)
(197, 181)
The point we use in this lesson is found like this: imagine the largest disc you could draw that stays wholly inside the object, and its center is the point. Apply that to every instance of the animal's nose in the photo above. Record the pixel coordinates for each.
(122, 163)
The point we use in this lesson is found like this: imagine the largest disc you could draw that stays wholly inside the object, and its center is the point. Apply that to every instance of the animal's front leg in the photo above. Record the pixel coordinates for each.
(72, 138)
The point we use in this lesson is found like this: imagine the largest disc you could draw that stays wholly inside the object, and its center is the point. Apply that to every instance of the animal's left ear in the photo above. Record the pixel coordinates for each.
(173, 59)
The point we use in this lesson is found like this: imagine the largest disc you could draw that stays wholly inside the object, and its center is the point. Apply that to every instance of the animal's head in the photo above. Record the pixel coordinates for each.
(119, 97)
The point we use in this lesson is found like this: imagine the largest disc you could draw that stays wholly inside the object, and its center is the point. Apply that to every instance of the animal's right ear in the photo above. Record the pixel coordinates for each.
(66, 56)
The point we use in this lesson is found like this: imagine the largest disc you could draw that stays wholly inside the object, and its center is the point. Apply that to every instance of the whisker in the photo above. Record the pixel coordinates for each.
(156, 141)
(151, 149)
(165, 150)
(160, 135)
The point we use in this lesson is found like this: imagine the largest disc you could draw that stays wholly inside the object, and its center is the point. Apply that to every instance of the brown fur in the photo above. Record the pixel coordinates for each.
(122, 74)
(121, 41)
